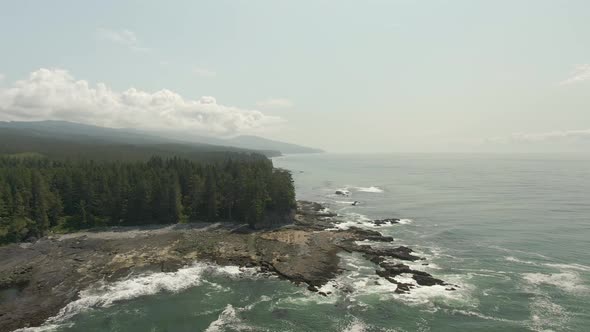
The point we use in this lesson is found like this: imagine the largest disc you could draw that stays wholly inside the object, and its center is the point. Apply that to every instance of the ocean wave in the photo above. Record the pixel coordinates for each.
(567, 281)
(361, 285)
(356, 325)
(483, 316)
(431, 295)
(573, 266)
(228, 318)
(517, 260)
(344, 202)
(512, 251)
(558, 266)
(105, 294)
(547, 316)
(371, 189)
(352, 219)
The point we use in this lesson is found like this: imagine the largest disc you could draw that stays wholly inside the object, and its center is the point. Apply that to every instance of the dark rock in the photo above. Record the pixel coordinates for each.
(380, 238)
(390, 221)
(425, 279)
(403, 253)
(403, 288)
(342, 192)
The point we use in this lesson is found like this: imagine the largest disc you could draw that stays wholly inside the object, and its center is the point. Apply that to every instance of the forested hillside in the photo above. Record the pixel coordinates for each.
(76, 145)
(39, 194)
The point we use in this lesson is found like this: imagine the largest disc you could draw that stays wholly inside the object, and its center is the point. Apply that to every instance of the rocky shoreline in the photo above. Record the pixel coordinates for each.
(38, 279)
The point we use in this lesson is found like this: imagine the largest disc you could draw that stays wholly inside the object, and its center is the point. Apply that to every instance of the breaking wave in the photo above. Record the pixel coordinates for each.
(228, 318)
(567, 281)
(369, 189)
(105, 294)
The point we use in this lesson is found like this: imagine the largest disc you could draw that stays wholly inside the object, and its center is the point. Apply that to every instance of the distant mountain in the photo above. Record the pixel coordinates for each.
(75, 131)
(66, 139)
(244, 142)
(255, 142)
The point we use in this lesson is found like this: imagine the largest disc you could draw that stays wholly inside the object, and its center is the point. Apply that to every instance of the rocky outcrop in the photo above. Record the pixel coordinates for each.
(44, 276)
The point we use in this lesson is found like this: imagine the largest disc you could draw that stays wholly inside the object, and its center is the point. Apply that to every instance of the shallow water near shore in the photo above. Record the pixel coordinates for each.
(512, 232)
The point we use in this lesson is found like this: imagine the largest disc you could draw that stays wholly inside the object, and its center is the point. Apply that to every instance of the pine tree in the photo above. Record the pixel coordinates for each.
(211, 195)
(194, 201)
(39, 204)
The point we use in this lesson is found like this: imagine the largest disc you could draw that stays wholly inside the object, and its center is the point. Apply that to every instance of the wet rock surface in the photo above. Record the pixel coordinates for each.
(49, 273)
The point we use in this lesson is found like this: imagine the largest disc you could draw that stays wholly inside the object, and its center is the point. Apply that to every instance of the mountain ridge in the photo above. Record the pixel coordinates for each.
(68, 129)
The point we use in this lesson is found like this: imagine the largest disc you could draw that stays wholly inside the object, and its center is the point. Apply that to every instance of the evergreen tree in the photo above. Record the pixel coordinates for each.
(40, 196)
(37, 194)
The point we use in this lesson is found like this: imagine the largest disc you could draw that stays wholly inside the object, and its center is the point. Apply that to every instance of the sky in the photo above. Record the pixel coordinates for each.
(345, 76)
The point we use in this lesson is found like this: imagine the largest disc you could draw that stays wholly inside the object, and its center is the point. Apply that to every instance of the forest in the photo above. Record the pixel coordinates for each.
(39, 195)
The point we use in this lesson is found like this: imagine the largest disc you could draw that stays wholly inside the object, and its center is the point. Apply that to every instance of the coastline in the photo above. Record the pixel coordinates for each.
(39, 279)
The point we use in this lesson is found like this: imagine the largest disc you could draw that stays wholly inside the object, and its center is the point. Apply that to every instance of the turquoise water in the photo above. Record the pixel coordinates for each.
(512, 231)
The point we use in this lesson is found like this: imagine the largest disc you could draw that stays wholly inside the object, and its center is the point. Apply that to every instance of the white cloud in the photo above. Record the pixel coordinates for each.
(122, 37)
(53, 94)
(204, 72)
(275, 103)
(2, 77)
(544, 137)
(580, 74)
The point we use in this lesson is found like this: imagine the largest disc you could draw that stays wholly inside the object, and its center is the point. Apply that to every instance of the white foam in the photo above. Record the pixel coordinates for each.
(369, 189)
(482, 316)
(105, 294)
(577, 267)
(356, 325)
(43, 328)
(228, 318)
(344, 191)
(566, 281)
(547, 316)
(528, 253)
(517, 260)
(360, 281)
(559, 266)
(405, 221)
(354, 220)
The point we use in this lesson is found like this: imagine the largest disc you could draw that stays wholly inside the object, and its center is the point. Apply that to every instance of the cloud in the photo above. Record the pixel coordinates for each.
(2, 77)
(558, 135)
(275, 103)
(122, 37)
(54, 94)
(203, 72)
(580, 74)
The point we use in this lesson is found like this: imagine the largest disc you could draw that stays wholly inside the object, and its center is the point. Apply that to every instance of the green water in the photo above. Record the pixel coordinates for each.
(512, 231)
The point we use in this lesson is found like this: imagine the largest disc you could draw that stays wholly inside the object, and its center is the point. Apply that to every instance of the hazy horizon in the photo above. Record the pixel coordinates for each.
(377, 77)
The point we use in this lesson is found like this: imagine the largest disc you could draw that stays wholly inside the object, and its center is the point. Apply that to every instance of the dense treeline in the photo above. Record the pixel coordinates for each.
(39, 194)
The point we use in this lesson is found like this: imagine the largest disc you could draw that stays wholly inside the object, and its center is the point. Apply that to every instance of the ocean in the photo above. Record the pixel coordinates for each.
(512, 231)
